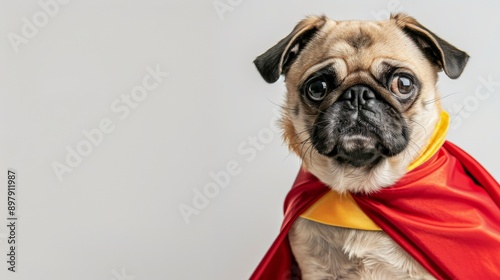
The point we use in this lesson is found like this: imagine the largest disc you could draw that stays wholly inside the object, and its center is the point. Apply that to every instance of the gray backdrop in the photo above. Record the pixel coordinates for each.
(119, 116)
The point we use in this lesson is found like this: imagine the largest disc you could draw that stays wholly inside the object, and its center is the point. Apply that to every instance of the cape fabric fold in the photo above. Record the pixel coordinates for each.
(444, 213)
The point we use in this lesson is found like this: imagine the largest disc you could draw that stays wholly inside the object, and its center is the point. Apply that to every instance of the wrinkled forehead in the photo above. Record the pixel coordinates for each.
(360, 46)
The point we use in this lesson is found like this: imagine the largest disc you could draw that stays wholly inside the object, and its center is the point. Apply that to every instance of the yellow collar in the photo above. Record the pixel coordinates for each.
(341, 210)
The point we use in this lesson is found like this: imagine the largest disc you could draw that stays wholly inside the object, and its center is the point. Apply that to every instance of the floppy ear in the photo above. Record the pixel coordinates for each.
(278, 58)
(445, 55)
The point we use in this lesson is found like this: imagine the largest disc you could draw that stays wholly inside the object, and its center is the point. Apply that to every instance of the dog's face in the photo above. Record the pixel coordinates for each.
(361, 96)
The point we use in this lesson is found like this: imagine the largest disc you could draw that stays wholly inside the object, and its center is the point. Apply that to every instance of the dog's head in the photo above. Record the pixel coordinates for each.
(361, 96)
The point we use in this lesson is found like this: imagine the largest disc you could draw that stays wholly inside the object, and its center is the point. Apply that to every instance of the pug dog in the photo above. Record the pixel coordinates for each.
(361, 104)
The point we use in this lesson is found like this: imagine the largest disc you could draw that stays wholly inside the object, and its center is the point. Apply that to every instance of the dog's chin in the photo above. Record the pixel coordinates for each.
(362, 158)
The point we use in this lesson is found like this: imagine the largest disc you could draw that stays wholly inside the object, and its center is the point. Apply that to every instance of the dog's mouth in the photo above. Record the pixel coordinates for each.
(357, 150)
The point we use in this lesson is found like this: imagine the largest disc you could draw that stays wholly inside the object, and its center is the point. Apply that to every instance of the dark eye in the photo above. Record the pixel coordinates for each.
(317, 89)
(402, 86)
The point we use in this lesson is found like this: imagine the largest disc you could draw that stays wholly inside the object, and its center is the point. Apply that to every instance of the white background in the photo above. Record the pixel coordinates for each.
(116, 215)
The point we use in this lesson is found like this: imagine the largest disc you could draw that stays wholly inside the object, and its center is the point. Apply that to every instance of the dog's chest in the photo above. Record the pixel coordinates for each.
(328, 252)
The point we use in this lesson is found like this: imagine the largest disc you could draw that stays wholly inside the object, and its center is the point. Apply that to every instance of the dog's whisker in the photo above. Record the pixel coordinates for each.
(423, 127)
(313, 147)
(415, 147)
(299, 133)
(457, 113)
(279, 105)
(427, 102)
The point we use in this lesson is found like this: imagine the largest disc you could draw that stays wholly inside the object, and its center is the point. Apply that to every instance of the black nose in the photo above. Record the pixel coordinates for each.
(358, 97)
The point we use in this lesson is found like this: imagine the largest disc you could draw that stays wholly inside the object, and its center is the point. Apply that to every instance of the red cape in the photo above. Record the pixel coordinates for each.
(445, 213)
